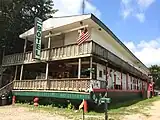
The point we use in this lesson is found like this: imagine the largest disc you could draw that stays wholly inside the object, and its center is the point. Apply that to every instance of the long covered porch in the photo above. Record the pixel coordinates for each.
(64, 75)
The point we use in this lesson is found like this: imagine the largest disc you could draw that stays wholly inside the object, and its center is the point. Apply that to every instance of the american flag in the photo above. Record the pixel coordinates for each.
(83, 36)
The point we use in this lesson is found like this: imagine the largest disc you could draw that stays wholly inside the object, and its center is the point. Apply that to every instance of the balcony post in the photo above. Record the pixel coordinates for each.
(79, 68)
(47, 65)
(15, 75)
(21, 73)
(47, 69)
(22, 66)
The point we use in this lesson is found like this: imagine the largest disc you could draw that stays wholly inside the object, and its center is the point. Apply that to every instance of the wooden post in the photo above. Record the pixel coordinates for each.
(106, 111)
(13, 100)
(142, 85)
(79, 68)
(47, 68)
(127, 81)
(15, 75)
(137, 84)
(85, 106)
(47, 65)
(114, 80)
(91, 60)
(22, 66)
(25, 45)
(1, 77)
(107, 76)
(21, 74)
(121, 82)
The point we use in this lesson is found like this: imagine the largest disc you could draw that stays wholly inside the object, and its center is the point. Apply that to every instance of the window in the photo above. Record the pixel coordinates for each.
(100, 73)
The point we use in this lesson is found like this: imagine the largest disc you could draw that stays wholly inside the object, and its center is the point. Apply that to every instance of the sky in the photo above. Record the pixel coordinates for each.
(135, 22)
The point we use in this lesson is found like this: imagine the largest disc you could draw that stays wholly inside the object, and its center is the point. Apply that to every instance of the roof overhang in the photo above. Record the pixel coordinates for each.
(56, 25)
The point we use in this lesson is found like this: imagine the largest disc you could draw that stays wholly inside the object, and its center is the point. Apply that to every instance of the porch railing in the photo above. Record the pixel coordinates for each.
(68, 84)
(63, 52)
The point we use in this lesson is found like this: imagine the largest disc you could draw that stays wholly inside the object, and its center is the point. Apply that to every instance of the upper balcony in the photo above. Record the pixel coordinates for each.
(89, 48)
(56, 53)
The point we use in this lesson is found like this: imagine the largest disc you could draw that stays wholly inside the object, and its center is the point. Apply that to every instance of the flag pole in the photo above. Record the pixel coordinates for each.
(83, 7)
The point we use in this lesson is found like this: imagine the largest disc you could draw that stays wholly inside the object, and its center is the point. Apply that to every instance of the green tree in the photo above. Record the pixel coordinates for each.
(155, 72)
(17, 16)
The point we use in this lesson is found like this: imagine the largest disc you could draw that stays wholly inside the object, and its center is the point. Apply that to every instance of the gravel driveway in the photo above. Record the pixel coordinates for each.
(22, 113)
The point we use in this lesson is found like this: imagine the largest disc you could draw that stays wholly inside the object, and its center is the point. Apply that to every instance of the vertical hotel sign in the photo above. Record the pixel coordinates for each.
(37, 38)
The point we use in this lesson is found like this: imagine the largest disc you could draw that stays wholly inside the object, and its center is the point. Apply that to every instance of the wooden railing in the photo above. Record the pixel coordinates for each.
(13, 59)
(30, 84)
(6, 89)
(63, 52)
(68, 84)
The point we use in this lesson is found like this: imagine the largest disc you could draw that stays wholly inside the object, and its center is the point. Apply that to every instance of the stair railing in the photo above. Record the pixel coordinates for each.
(6, 89)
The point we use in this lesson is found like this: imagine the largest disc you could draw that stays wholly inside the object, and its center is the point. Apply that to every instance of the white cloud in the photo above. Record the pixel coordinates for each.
(147, 51)
(73, 7)
(145, 3)
(140, 17)
(135, 8)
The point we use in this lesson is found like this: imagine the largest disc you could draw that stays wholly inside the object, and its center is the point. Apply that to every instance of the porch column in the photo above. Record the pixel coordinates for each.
(21, 74)
(49, 46)
(15, 75)
(137, 84)
(121, 82)
(127, 75)
(91, 60)
(1, 74)
(79, 68)
(22, 66)
(114, 80)
(47, 66)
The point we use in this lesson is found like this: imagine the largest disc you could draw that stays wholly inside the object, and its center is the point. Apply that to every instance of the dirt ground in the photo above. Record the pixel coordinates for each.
(153, 113)
(22, 113)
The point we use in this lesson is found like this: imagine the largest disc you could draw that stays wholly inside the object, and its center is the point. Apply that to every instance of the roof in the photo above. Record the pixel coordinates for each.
(56, 22)
(95, 19)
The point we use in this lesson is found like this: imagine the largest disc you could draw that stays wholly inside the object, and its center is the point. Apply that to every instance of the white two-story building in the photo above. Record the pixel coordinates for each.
(66, 70)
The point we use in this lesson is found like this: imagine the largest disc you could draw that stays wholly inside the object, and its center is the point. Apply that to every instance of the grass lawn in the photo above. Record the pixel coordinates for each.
(115, 112)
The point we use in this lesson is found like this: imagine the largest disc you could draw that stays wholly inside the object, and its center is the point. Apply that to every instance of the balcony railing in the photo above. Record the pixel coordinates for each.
(64, 52)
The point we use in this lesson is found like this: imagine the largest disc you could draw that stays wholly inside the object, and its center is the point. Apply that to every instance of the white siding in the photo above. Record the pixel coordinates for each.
(123, 81)
(118, 78)
(109, 43)
(110, 77)
(101, 68)
(129, 82)
(71, 37)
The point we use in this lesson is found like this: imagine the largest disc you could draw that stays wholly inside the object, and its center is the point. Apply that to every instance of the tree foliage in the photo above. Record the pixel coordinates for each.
(17, 16)
(155, 72)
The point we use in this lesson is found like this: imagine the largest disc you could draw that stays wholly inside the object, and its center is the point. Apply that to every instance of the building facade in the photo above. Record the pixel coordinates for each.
(100, 67)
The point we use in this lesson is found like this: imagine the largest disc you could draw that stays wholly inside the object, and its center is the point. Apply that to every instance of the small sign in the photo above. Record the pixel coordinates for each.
(105, 100)
(37, 38)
